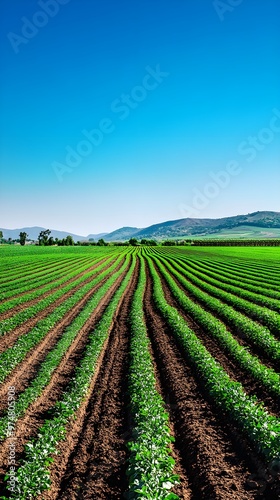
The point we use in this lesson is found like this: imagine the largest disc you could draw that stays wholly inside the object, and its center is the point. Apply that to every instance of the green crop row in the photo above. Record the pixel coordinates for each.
(33, 476)
(248, 329)
(10, 358)
(75, 270)
(239, 268)
(17, 281)
(28, 268)
(56, 354)
(216, 329)
(250, 284)
(269, 318)
(151, 465)
(228, 286)
(27, 313)
(262, 429)
(226, 278)
(34, 284)
(269, 276)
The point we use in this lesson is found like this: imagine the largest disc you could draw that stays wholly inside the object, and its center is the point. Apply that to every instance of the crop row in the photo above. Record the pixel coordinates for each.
(75, 270)
(229, 286)
(151, 465)
(55, 356)
(216, 329)
(27, 313)
(254, 333)
(35, 283)
(33, 476)
(262, 429)
(258, 292)
(241, 269)
(27, 268)
(15, 282)
(239, 279)
(10, 358)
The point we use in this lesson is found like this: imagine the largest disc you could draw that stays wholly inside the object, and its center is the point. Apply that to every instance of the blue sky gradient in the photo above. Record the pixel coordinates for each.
(156, 156)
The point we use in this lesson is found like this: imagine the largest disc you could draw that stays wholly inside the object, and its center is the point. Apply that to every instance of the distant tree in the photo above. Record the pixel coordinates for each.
(51, 241)
(168, 243)
(44, 237)
(1, 235)
(101, 243)
(22, 237)
(133, 242)
(69, 241)
(151, 243)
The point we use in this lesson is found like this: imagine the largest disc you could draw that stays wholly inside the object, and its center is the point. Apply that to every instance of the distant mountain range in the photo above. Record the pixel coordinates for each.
(255, 225)
(33, 233)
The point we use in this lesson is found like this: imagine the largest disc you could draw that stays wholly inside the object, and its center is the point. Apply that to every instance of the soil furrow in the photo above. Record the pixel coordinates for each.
(237, 335)
(95, 461)
(28, 426)
(32, 302)
(251, 386)
(11, 337)
(51, 267)
(25, 371)
(212, 452)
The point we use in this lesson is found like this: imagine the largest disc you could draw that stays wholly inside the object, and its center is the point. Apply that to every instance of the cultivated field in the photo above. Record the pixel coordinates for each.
(148, 373)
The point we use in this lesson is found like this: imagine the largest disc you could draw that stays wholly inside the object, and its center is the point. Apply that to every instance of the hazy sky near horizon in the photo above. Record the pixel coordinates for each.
(131, 113)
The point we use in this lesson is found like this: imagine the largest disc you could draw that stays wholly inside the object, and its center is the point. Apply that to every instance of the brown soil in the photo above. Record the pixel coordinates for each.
(84, 454)
(95, 462)
(239, 336)
(216, 459)
(11, 337)
(29, 303)
(251, 386)
(25, 371)
(212, 458)
(41, 272)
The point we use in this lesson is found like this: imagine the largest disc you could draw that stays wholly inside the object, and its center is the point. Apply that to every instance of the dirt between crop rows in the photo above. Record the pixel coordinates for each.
(218, 462)
(27, 369)
(238, 335)
(250, 385)
(213, 460)
(32, 302)
(53, 268)
(27, 427)
(11, 337)
(93, 467)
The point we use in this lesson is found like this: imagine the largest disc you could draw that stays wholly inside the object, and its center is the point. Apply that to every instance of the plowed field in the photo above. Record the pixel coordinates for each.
(140, 372)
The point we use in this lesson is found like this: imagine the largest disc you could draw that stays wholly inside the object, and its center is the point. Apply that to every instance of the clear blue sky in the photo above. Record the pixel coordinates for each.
(200, 87)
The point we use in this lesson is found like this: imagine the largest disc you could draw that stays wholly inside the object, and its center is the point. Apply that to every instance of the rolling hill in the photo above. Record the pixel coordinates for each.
(34, 231)
(263, 224)
(257, 224)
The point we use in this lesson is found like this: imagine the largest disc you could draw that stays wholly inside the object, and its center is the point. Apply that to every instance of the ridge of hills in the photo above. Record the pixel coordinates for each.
(261, 224)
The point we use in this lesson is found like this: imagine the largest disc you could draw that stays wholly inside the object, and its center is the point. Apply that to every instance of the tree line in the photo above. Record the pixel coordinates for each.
(45, 239)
